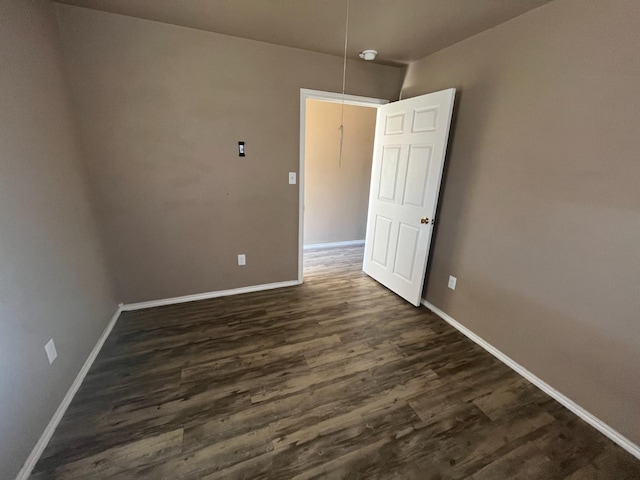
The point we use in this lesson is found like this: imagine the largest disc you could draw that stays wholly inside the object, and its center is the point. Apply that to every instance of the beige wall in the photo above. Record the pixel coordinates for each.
(336, 197)
(540, 213)
(161, 109)
(53, 280)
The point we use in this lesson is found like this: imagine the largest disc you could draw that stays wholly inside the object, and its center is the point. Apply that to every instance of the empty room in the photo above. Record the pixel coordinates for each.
(320, 239)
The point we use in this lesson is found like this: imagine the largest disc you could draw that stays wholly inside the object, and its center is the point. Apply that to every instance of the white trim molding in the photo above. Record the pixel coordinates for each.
(335, 97)
(204, 296)
(585, 415)
(307, 94)
(347, 243)
(35, 454)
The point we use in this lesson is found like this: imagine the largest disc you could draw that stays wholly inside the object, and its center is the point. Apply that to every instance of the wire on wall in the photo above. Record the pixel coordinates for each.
(344, 82)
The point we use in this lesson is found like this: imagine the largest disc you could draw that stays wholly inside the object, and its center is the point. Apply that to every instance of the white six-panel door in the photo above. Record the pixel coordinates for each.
(408, 158)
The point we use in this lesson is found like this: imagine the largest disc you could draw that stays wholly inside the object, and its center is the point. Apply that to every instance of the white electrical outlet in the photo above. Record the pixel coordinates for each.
(292, 178)
(50, 348)
(242, 259)
(452, 282)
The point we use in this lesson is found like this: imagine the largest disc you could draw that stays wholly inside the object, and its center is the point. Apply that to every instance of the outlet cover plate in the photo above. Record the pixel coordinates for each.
(452, 282)
(50, 348)
(242, 259)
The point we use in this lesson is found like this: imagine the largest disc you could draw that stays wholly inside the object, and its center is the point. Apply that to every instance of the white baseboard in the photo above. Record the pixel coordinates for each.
(204, 296)
(591, 419)
(348, 243)
(35, 454)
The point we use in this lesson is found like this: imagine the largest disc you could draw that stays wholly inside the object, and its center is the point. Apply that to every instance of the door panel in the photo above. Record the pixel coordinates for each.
(389, 174)
(408, 158)
(417, 175)
(406, 251)
(425, 120)
(382, 235)
(394, 124)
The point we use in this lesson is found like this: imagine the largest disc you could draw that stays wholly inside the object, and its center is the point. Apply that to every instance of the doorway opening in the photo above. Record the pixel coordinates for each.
(334, 178)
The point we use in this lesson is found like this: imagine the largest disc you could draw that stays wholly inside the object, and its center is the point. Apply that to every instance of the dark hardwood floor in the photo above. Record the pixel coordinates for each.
(337, 378)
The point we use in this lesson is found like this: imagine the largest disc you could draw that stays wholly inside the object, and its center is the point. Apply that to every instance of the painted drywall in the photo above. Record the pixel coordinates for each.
(53, 279)
(413, 29)
(540, 212)
(336, 194)
(161, 110)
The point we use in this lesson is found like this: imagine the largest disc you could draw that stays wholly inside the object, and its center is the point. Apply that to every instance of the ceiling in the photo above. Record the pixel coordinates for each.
(401, 30)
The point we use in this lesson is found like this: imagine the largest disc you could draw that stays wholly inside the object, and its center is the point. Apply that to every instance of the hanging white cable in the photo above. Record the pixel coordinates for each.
(344, 82)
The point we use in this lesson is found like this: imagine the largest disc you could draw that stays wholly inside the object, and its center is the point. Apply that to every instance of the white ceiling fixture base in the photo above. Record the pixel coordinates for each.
(368, 55)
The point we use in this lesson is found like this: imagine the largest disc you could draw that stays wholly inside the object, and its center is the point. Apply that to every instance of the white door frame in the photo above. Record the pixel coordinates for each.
(306, 94)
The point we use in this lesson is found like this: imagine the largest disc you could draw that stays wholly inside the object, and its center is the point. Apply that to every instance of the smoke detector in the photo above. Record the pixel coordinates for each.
(368, 55)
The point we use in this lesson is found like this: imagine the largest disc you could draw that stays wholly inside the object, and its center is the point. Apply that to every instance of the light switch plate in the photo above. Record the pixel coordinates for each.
(50, 348)
(452, 282)
(292, 178)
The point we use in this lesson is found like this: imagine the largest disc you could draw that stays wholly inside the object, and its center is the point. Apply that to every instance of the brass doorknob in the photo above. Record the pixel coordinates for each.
(424, 220)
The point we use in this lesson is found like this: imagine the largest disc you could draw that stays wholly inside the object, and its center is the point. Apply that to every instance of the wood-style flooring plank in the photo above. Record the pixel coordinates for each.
(337, 378)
